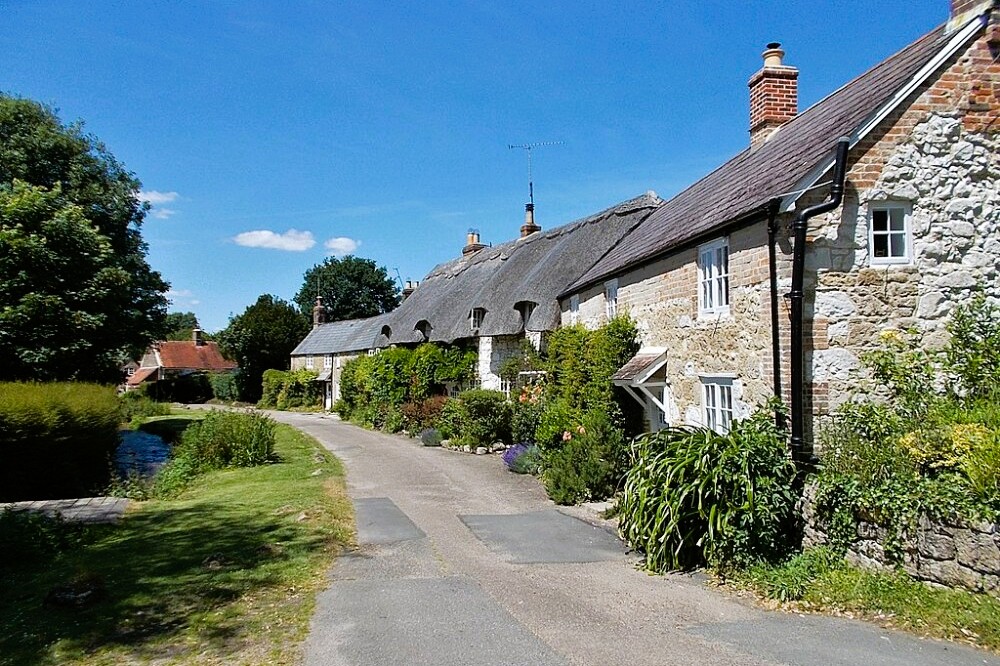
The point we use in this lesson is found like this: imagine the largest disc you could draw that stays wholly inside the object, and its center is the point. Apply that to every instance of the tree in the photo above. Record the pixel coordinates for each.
(262, 338)
(77, 296)
(180, 325)
(351, 288)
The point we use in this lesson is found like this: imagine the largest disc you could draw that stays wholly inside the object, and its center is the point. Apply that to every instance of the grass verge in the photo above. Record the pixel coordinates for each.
(227, 573)
(817, 580)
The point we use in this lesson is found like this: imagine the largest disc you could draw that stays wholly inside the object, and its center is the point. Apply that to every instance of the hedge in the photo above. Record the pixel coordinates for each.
(56, 439)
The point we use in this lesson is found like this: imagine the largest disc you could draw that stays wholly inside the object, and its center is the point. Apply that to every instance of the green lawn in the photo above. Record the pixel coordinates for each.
(225, 574)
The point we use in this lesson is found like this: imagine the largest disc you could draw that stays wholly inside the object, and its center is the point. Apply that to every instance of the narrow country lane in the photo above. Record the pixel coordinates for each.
(462, 563)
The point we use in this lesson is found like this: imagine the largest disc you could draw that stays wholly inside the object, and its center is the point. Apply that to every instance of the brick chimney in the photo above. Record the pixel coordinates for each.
(529, 227)
(472, 243)
(196, 337)
(319, 312)
(774, 95)
(963, 11)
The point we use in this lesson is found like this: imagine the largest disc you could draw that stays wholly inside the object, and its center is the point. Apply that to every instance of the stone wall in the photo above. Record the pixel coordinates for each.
(662, 299)
(492, 352)
(953, 555)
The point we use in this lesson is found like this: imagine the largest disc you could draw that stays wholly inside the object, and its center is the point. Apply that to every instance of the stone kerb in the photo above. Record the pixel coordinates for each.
(963, 555)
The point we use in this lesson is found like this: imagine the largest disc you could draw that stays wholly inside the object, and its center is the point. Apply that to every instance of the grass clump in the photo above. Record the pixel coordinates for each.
(225, 573)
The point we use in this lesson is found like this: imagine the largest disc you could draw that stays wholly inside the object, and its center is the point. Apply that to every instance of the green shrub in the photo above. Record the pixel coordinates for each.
(225, 386)
(694, 496)
(449, 422)
(973, 353)
(271, 384)
(431, 437)
(486, 417)
(228, 439)
(138, 404)
(526, 415)
(588, 462)
(291, 389)
(193, 388)
(56, 439)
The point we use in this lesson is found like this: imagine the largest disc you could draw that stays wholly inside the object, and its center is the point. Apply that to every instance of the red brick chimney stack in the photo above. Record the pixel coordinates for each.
(319, 312)
(774, 95)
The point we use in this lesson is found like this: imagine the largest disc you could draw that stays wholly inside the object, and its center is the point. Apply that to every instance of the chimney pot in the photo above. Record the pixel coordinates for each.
(196, 337)
(529, 227)
(319, 312)
(472, 243)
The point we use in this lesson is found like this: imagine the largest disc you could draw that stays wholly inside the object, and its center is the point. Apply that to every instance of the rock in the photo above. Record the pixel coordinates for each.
(78, 593)
(834, 304)
(935, 546)
(932, 305)
(481, 450)
(977, 551)
(956, 279)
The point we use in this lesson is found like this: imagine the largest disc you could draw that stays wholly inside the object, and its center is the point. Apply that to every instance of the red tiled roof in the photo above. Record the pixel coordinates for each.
(140, 376)
(186, 355)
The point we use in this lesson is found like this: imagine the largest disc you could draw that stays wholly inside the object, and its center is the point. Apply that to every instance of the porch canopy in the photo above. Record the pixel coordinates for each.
(644, 377)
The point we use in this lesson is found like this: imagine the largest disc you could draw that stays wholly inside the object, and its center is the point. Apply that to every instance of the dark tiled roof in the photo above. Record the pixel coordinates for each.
(534, 269)
(748, 181)
(186, 355)
(341, 337)
(636, 366)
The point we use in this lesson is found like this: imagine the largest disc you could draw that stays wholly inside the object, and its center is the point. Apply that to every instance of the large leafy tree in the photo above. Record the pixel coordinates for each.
(262, 338)
(76, 293)
(351, 287)
(181, 325)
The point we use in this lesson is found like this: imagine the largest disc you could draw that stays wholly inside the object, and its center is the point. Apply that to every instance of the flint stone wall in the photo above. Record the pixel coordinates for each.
(951, 555)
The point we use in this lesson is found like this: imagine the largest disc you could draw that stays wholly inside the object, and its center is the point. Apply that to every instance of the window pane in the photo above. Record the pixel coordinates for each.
(724, 300)
(879, 220)
(880, 245)
(896, 219)
(898, 245)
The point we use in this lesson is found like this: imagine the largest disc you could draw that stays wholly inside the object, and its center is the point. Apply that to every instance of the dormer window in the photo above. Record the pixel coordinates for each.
(476, 318)
(526, 308)
(424, 328)
(387, 331)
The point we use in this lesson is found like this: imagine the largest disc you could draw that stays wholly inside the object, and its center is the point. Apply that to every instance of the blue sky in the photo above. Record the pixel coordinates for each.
(268, 135)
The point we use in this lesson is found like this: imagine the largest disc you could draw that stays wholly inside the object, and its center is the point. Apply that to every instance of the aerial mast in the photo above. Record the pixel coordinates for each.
(529, 226)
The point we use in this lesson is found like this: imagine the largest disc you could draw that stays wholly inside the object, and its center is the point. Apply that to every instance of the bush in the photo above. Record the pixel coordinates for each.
(523, 459)
(588, 462)
(431, 437)
(56, 439)
(138, 404)
(486, 417)
(526, 415)
(422, 414)
(694, 496)
(225, 386)
(291, 389)
(449, 422)
(228, 439)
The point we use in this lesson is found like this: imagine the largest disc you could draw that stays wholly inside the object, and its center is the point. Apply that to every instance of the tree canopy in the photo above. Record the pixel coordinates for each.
(262, 338)
(351, 288)
(77, 296)
(180, 326)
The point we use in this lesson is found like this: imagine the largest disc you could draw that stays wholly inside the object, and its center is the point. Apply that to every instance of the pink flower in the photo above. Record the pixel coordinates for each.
(567, 436)
(581, 430)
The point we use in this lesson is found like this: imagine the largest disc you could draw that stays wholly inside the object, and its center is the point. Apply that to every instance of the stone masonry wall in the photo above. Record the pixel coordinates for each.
(941, 158)
(662, 299)
(961, 555)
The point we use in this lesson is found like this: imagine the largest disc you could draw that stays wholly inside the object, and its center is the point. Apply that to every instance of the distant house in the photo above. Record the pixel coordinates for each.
(173, 359)
(329, 345)
(741, 291)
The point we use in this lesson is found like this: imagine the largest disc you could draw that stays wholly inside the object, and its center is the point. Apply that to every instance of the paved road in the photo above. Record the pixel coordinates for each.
(463, 563)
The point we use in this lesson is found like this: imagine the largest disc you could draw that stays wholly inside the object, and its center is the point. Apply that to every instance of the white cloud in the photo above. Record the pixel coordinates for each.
(291, 241)
(341, 245)
(155, 198)
(179, 293)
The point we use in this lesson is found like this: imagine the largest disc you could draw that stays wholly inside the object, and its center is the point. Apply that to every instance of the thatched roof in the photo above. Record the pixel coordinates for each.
(500, 279)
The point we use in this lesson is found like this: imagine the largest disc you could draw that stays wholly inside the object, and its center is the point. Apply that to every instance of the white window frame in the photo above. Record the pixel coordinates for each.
(713, 277)
(611, 298)
(574, 309)
(476, 318)
(887, 207)
(717, 402)
(309, 362)
(328, 361)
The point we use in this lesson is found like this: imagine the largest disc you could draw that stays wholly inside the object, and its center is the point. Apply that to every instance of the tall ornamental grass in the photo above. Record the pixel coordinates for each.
(695, 496)
(56, 439)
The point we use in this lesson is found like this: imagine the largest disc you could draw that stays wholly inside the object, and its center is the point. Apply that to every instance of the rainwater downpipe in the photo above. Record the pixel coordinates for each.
(772, 265)
(800, 454)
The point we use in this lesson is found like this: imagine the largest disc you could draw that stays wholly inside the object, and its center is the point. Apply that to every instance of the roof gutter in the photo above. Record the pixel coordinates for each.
(800, 453)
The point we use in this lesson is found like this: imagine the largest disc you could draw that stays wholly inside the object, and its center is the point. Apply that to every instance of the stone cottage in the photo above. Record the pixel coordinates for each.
(774, 273)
